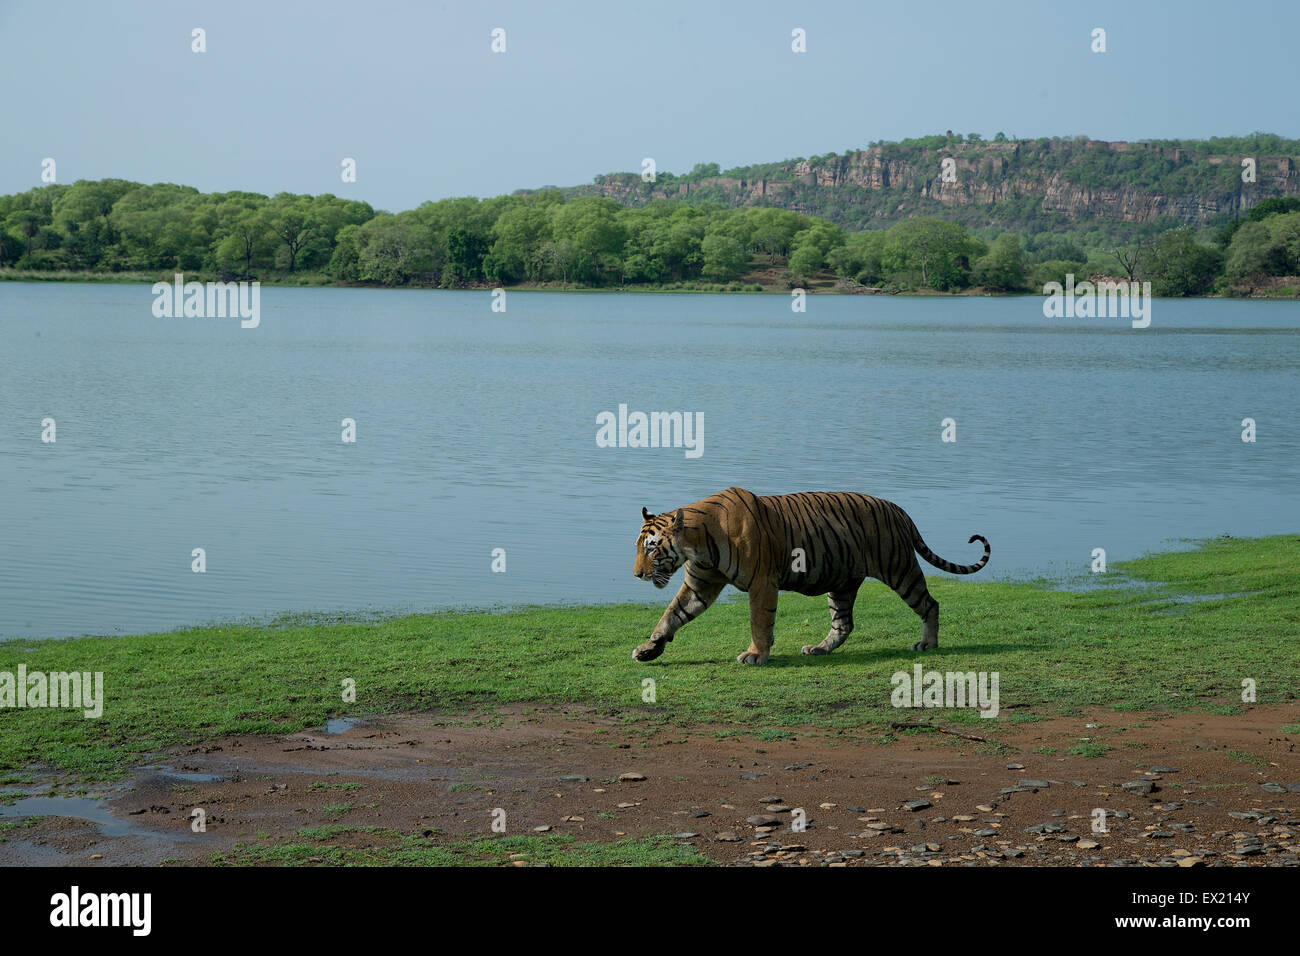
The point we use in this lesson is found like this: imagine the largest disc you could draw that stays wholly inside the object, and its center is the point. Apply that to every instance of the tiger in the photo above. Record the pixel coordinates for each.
(810, 542)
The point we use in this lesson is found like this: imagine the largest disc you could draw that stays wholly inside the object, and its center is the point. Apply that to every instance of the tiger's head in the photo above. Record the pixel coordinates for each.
(660, 550)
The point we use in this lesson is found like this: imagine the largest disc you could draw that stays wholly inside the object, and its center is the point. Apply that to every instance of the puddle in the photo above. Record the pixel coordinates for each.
(186, 775)
(81, 808)
(337, 725)
(1195, 598)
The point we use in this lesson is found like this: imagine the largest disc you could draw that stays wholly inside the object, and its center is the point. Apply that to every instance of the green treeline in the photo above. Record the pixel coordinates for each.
(114, 226)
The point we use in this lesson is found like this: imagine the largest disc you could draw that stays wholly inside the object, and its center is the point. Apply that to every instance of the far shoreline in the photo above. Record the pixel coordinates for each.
(821, 287)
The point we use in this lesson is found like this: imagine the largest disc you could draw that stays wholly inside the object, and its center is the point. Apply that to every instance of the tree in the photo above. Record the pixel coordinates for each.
(345, 261)
(1268, 247)
(724, 258)
(939, 252)
(1130, 259)
(1178, 265)
(519, 234)
(291, 222)
(465, 253)
(806, 261)
(859, 257)
(1002, 268)
(249, 236)
(28, 225)
(593, 233)
(558, 254)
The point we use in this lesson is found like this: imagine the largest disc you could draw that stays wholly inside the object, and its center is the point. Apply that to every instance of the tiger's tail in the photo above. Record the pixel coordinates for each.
(923, 550)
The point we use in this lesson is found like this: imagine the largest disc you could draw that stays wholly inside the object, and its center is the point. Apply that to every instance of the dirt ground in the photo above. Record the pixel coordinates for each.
(1224, 791)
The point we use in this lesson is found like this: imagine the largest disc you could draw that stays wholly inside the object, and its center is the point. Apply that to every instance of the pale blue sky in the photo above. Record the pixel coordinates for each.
(413, 92)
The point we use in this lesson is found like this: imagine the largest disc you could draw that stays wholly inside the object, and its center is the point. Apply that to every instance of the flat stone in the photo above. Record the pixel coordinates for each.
(1045, 828)
(631, 777)
(572, 778)
(763, 820)
(915, 805)
(1139, 786)
(1040, 784)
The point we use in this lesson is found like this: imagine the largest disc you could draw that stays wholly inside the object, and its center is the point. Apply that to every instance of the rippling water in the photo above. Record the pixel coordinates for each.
(477, 430)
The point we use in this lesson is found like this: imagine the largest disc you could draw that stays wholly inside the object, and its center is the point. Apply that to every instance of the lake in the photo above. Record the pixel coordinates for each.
(476, 430)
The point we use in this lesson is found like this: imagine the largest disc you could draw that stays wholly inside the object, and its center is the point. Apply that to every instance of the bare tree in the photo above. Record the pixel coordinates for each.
(1132, 259)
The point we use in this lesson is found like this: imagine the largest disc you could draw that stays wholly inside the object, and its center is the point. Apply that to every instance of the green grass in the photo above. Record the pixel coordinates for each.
(377, 846)
(1246, 756)
(1089, 750)
(1132, 647)
(21, 823)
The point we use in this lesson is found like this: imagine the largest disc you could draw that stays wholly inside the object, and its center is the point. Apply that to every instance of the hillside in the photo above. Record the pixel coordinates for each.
(943, 214)
(1036, 185)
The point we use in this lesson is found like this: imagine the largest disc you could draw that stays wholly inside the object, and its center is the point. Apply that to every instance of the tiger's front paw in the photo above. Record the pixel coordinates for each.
(923, 646)
(648, 651)
(749, 657)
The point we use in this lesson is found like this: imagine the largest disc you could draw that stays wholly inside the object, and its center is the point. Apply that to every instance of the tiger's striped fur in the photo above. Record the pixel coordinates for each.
(735, 537)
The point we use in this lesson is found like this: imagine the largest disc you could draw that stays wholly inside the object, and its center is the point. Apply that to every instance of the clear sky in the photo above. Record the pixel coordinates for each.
(413, 92)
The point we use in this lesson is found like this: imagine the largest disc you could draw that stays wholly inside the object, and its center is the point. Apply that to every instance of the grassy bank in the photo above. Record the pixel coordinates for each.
(384, 847)
(1139, 646)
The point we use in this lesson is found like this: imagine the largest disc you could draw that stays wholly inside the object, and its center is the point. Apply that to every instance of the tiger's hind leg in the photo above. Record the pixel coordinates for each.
(910, 586)
(929, 628)
(841, 605)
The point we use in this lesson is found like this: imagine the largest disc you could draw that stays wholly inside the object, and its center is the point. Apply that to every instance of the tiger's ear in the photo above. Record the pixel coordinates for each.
(677, 520)
(645, 515)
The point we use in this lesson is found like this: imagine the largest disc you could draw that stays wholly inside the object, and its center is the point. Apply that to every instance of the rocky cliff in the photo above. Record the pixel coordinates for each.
(1031, 184)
